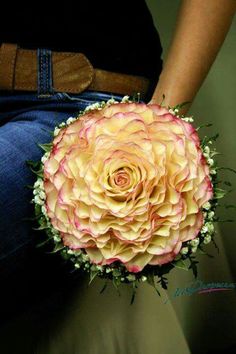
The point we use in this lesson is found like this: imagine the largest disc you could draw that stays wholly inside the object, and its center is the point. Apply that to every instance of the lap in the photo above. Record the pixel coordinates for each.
(20, 131)
(26, 271)
(18, 143)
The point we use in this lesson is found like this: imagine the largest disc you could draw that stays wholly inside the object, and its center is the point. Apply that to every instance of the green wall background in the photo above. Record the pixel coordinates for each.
(215, 103)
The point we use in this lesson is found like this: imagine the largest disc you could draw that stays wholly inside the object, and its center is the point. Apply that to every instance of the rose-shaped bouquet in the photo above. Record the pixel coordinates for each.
(127, 191)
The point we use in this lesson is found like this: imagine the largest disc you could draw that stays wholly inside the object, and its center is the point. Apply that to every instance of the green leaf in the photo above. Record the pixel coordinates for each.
(29, 186)
(39, 173)
(133, 297)
(157, 291)
(41, 227)
(214, 153)
(164, 282)
(45, 147)
(134, 284)
(204, 126)
(214, 137)
(116, 272)
(204, 141)
(116, 283)
(58, 247)
(180, 264)
(178, 106)
(151, 281)
(215, 244)
(178, 257)
(32, 163)
(104, 286)
(201, 251)
(93, 274)
(136, 97)
(219, 193)
(51, 132)
(38, 210)
(193, 266)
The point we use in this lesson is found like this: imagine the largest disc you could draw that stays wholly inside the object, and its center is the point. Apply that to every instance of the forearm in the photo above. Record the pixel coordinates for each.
(200, 30)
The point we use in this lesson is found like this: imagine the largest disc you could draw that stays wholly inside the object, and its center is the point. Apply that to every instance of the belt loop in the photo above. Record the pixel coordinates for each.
(8, 52)
(45, 79)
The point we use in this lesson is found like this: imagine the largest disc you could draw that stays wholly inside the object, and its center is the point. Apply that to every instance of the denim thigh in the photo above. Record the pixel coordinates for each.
(31, 279)
(25, 121)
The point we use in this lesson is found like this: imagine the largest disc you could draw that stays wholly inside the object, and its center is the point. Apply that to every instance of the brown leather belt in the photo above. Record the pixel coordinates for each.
(71, 72)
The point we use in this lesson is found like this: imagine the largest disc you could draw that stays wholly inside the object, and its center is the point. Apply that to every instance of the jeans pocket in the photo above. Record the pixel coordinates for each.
(87, 97)
(12, 104)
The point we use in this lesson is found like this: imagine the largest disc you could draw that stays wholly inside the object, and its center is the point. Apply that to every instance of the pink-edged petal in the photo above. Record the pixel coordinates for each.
(137, 263)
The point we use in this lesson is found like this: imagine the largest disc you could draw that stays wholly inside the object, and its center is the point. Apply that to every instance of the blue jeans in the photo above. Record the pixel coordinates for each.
(26, 120)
